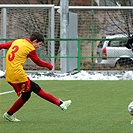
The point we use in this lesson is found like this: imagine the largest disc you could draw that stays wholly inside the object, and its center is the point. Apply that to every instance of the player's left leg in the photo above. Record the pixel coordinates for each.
(9, 115)
(19, 102)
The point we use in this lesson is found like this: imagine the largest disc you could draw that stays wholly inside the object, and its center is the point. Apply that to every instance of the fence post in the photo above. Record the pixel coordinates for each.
(63, 33)
(4, 34)
(79, 55)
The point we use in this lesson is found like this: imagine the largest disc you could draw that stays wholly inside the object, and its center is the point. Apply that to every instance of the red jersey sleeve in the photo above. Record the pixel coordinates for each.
(6, 45)
(34, 57)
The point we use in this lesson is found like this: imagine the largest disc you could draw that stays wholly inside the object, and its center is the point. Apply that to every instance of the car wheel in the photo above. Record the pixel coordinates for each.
(124, 62)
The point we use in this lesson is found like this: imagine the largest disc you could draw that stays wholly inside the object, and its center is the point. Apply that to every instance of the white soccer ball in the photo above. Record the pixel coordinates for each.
(130, 108)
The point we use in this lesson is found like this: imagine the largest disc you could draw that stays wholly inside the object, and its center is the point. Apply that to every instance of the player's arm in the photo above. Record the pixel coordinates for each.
(5, 45)
(34, 57)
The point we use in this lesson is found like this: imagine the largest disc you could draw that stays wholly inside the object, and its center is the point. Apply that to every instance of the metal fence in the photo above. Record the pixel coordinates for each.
(85, 61)
(94, 23)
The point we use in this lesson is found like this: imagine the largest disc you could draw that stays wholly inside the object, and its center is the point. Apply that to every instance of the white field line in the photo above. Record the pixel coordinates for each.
(3, 93)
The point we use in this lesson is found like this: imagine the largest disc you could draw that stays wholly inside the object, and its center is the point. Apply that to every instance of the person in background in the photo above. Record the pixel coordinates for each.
(129, 43)
(18, 51)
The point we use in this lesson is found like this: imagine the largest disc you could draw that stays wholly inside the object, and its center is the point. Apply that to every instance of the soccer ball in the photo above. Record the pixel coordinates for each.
(130, 108)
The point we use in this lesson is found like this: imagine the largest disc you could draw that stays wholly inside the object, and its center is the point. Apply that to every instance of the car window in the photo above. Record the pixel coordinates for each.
(100, 45)
(119, 43)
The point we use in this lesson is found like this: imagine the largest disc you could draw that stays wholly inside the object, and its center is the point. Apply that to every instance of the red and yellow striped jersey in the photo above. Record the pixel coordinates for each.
(18, 51)
(15, 58)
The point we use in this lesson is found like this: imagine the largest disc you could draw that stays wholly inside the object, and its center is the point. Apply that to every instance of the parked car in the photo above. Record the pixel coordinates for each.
(113, 53)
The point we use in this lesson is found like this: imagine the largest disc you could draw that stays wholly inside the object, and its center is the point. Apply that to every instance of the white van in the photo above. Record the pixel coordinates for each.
(113, 53)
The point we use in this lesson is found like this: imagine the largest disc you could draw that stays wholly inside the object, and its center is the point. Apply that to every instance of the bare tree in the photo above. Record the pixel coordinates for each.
(121, 19)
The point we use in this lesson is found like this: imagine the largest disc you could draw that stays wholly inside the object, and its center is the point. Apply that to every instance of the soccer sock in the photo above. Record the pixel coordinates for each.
(48, 97)
(16, 106)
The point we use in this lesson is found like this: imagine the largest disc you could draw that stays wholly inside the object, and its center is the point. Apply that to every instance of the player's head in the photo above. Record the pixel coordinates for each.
(37, 39)
(36, 36)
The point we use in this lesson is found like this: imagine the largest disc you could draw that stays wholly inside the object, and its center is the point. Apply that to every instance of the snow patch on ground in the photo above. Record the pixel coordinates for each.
(83, 75)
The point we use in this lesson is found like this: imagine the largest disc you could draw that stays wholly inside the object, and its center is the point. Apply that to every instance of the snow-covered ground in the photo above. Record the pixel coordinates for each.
(83, 75)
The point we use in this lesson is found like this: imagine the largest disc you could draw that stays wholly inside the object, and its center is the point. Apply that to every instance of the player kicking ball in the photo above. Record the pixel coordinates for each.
(18, 51)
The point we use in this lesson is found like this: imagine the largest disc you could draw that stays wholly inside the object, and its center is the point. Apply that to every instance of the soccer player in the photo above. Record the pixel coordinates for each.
(18, 51)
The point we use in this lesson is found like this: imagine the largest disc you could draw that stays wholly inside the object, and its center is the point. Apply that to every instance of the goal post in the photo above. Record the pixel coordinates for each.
(18, 21)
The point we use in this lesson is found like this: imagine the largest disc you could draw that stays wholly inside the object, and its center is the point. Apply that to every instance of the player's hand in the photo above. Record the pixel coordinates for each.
(50, 67)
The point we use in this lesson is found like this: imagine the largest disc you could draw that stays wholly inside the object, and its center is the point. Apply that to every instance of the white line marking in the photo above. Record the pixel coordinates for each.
(3, 93)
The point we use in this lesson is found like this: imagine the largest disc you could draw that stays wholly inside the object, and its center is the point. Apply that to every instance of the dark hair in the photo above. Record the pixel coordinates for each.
(36, 36)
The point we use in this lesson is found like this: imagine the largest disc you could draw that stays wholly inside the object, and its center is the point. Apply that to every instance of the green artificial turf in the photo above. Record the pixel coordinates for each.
(97, 107)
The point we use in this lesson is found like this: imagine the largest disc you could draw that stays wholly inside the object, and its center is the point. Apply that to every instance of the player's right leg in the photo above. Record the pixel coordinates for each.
(47, 96)
(65, 104)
